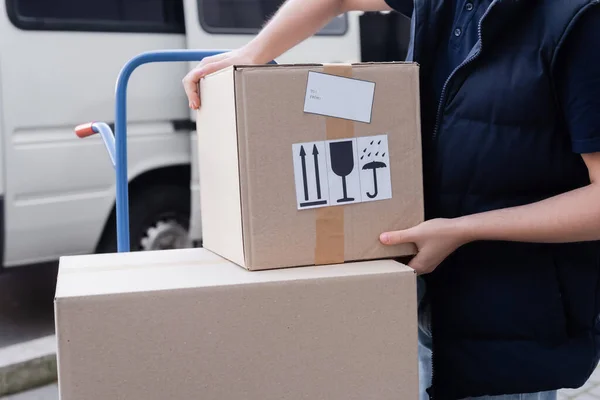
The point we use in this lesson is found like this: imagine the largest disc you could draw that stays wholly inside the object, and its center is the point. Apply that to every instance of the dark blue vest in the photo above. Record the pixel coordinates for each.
(506, 317)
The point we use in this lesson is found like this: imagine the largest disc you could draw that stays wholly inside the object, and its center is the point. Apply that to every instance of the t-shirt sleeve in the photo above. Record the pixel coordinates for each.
(402, 6)
(578, 82)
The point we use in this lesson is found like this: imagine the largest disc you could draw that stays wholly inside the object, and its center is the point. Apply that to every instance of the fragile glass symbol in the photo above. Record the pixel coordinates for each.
(342, 164)
(315, 154)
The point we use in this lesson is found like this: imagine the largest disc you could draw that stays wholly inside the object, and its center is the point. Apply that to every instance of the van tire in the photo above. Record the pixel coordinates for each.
(158, 217)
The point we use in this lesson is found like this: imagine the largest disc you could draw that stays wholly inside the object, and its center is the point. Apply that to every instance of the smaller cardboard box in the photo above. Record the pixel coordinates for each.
(187, 324)
(309, 164)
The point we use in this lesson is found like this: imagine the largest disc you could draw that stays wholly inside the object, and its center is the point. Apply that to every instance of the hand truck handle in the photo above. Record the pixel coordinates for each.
(117, 144)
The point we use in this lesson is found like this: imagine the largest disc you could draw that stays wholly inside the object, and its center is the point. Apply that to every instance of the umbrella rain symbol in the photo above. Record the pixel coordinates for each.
(374, 164)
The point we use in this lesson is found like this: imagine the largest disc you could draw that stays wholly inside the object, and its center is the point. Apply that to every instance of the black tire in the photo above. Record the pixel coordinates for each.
(147, 208)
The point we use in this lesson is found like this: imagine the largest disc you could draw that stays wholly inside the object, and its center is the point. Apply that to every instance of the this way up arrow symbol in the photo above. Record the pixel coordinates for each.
(317, 177)
(304, 179)
(319, 201)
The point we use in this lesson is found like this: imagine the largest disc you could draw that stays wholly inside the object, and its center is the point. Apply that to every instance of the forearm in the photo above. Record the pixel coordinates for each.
(568, 217)
(294, 22)
(297, 20)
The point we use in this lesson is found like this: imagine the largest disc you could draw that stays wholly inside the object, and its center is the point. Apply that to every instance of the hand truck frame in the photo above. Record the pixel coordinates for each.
(116, 144)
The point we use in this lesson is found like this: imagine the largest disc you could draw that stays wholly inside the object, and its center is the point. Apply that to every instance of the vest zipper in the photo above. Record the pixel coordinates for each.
(432, 393)
(461, 65)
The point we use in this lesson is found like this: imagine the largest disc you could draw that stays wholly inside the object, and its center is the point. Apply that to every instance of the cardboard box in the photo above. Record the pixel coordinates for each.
(187, 324)
(309, 164)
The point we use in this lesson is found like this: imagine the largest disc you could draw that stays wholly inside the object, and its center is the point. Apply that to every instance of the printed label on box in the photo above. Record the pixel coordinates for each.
(342, 172)
(345, 171)
(310, 174)
(374, 167)
(339, 97)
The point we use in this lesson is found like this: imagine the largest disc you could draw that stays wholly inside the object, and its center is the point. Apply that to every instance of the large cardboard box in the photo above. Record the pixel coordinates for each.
(309, 164)
(187, 324)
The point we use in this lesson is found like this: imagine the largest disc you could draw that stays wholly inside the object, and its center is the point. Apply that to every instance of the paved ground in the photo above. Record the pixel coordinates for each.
(26, 303)
(45, 393)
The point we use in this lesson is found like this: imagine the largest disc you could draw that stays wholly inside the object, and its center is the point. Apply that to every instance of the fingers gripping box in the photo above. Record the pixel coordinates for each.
(309, 164)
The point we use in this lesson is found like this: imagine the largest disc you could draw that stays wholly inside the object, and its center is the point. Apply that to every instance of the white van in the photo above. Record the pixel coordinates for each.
(59, 60)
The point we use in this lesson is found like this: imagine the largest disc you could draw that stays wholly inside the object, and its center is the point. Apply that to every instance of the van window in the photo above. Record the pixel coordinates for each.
(249, 16)
(98, 15)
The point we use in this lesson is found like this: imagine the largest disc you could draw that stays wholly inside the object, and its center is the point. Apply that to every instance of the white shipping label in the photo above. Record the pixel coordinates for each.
(345, 171)
(374, 166)
(339, 97)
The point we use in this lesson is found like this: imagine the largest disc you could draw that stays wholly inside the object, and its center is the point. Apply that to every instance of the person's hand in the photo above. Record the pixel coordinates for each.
(208, 66)
(435, 239)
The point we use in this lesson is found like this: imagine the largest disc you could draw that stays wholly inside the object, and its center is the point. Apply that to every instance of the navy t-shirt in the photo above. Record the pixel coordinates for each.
(578, 81)
(577, 74)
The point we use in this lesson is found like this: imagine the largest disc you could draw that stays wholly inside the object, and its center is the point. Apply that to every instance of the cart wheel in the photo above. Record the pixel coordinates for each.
(159, 220)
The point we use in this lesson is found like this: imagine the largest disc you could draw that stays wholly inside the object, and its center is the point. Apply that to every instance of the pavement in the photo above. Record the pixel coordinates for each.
(49, 392)
(26, 303)
(26, 365)
(27, 344)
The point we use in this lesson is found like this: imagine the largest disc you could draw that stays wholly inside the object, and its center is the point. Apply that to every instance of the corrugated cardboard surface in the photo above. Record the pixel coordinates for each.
(185, 324)
(219, 169)
(270, 118)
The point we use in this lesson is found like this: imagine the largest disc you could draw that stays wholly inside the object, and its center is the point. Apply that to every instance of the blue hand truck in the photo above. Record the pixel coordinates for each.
(116, 144)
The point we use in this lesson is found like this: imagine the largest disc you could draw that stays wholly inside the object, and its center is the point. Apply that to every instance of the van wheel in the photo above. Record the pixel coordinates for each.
(158, 220)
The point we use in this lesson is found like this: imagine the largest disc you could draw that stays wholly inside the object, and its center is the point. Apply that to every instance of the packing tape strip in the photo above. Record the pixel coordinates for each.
(329, 248)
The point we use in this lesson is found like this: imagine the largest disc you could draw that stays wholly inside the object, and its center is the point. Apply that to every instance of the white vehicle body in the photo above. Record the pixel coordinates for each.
(58, 67)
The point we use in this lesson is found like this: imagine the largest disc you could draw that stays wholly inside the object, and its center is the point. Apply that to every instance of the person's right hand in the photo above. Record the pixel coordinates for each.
(208, 66)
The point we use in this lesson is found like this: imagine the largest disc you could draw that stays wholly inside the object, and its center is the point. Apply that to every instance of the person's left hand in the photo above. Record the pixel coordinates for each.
(435, 239)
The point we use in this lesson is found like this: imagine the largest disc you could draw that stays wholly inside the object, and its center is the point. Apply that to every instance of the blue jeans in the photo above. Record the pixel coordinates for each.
(425, 358)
